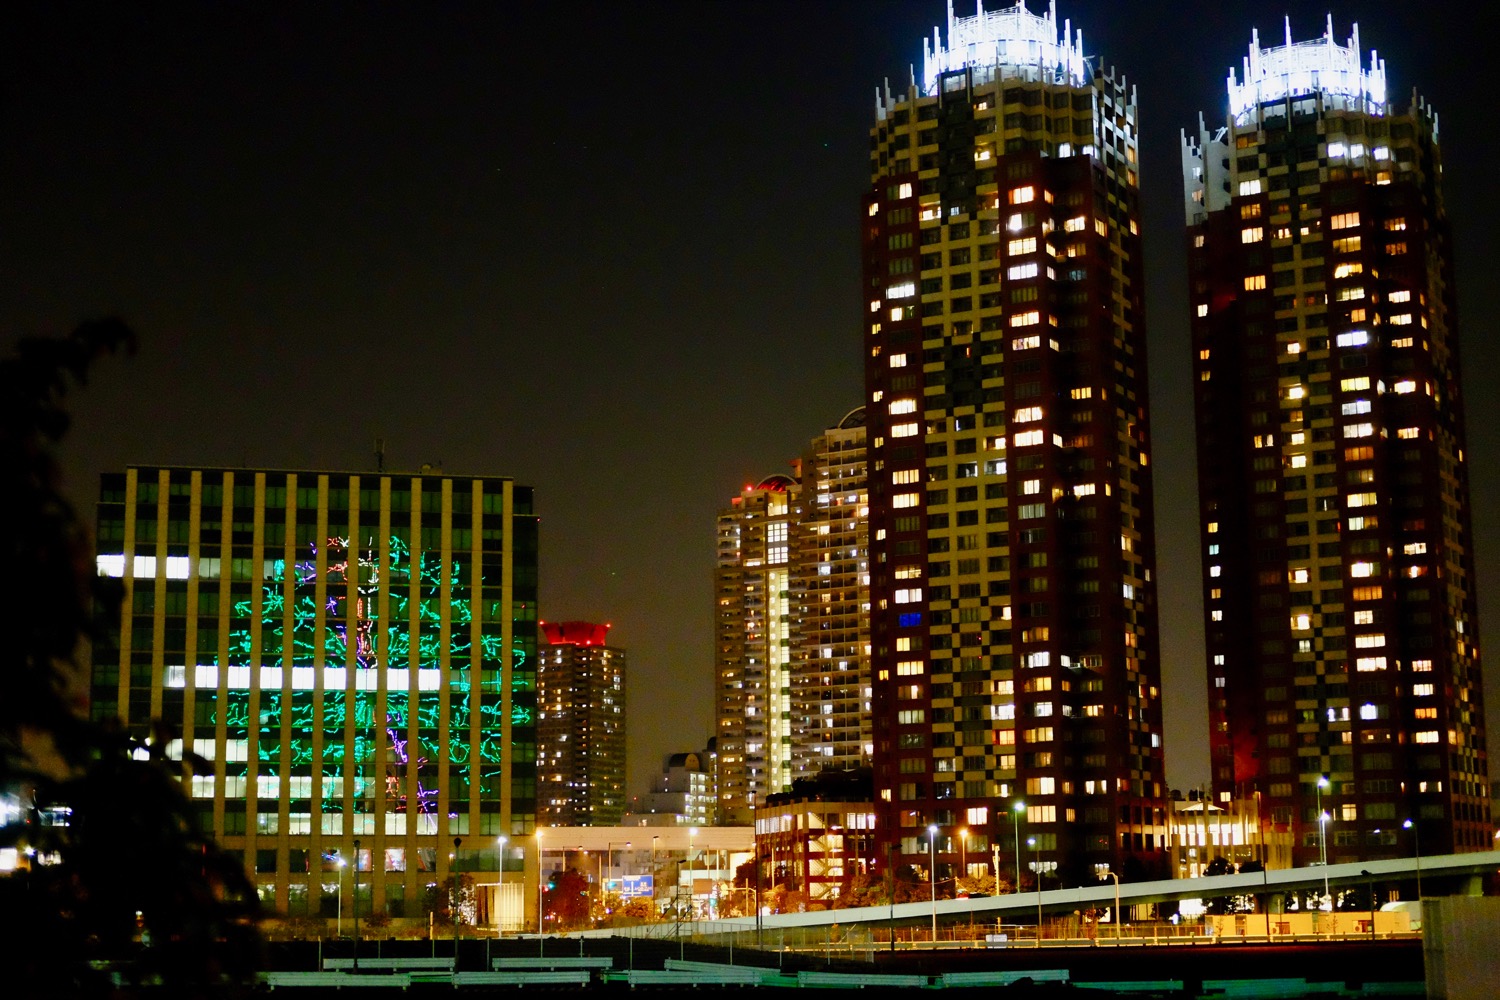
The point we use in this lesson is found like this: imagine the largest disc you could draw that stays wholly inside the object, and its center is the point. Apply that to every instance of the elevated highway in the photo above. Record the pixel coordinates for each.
(1023, 906)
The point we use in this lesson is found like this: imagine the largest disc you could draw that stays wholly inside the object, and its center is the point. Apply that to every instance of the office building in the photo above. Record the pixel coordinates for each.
(1016, 688)
(580, 729)
(1338, 563)
(354, 654)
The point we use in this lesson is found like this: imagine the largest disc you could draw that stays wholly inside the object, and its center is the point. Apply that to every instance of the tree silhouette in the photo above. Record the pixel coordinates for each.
(122, 881)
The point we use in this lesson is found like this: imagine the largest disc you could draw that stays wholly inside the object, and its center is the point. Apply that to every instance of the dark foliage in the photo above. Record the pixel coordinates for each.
(123, 887)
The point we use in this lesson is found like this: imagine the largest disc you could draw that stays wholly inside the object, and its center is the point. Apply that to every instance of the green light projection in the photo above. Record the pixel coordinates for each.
(295, 629)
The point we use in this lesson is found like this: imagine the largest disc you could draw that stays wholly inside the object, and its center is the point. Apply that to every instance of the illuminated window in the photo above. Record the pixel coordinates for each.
(1404, 386)
(903, 406)
(1353, 338)
(1255, 282)
(1346, 220)
(1030, 318)
(1027, 414)
(898, 361)
(912, 595)
(1250, 187)
(903, 430)
(1203, 309)
(1358, 430)
(1026, 438)
(1362, 569)
(1355, 384)
(1355, 407)
(903, 476)
(905, 500)
(1403, 319)
(1022, 271)
(902, 291)
(1408, 433)
(1077, 224)
(1031, 486)
(910, 668)
(1349, 294)
(1401, 296)
(1253, 235)
(1025, 343)
(1021, 195)
(1017, 247)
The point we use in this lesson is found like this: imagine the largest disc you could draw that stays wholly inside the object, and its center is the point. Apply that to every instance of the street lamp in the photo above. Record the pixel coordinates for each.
(355, 900)
(1416, 846)
(1115, 915)
(341, 896)
(1323, 836)
(932, 832)
(1031, 843)
(541, 884)
(1015, 815)
(500, 843)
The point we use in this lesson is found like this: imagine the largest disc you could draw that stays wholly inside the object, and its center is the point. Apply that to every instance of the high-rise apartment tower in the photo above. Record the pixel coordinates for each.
(580, 729)
(792, 624)
(830, 670)
(1338, 565)
(354, 654)
(1016, 688)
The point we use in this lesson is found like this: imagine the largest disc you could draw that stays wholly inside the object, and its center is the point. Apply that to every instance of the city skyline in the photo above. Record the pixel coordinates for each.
(457, 233)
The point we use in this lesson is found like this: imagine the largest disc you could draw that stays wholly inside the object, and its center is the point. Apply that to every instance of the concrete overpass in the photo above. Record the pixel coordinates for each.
(1018, 906)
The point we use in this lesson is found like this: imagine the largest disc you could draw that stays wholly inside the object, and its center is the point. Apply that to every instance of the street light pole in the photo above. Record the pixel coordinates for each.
(1323, 836)
(342, 866)
(500, 888)
(1015, 816)
(1417, 848)
(1031, 843)
(356, 906)
(932, 832)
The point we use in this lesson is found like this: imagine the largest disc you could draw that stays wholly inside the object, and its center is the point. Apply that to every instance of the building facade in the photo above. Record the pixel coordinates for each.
(353, 654)
(580, 726)
(753, 642)
(1013, 594)
(1338, 567)
(830, 670)
(682, 795)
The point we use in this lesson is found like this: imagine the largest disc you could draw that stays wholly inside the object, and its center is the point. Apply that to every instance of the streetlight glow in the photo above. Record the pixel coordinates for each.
(1015, 815)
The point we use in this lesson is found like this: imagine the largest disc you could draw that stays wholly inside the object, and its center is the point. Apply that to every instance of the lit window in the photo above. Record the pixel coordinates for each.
(898, 361)
(903, 406)
(905, 500)
(1250, 187)
(1362, 569)
(1404, 386)
(1401, 296)
(1027, 414)
(1026, 438)
(1353, 338)
(1355, 384)
(903, 430)
(1030, 318)
(1255, 282)
(1021, 195)
(1025, 343)
(1346, 220)
(1077, 224)
(1018, 247)
(1203, 309)
(1022, 271)
(1408, 433)
(1402, 319)
(1252, 235)
(902, 291)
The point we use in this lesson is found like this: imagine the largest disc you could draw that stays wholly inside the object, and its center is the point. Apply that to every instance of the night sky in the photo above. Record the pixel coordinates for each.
(610, 250)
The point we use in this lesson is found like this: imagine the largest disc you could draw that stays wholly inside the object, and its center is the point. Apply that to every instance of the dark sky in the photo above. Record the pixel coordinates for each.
(610, 250)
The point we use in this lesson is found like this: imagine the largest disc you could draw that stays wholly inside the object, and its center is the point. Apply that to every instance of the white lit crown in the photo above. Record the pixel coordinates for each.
(1012, 42)
(1298, 68)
